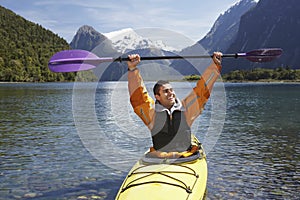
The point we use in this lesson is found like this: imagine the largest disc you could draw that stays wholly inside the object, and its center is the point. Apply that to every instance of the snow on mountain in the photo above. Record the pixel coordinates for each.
(126, 40)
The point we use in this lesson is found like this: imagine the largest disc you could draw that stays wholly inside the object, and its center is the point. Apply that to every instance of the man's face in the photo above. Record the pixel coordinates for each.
(166, 96)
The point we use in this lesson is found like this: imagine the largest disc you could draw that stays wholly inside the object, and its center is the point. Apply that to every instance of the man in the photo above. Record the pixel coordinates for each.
(168, 118)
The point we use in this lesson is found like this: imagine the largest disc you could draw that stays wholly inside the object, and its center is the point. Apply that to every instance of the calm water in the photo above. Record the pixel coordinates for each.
(60, 143)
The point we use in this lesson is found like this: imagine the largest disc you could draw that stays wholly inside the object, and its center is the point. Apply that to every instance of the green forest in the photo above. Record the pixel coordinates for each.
(258, 74)
(25, 49)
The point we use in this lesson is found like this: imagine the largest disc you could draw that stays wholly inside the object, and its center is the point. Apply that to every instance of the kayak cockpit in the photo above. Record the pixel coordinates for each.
(150, 160)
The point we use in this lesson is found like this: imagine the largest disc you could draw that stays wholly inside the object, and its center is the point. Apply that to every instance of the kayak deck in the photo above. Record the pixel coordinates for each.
(154, 178)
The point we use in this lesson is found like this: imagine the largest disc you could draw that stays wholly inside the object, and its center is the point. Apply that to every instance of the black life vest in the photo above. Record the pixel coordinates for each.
(171, 133)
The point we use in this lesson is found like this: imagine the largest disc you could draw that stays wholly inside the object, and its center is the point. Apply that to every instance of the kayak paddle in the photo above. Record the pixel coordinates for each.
(80, 60)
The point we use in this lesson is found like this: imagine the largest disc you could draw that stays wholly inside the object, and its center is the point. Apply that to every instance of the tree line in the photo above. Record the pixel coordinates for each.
(258, 74)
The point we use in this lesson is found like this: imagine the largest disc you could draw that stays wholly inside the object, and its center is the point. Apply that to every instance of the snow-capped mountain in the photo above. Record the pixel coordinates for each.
(126, 40)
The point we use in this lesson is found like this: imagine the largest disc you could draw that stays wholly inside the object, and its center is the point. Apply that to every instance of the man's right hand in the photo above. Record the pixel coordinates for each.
(134, 61)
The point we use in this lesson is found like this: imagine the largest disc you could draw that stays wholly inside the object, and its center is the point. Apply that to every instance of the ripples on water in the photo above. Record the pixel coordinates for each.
(257, 156)
(42, 155)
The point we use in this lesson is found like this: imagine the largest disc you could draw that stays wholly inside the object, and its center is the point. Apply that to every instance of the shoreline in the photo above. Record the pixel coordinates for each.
(219, 80)
(263, 81)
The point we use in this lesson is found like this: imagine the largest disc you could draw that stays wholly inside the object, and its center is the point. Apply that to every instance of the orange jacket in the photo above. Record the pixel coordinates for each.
(194, 103)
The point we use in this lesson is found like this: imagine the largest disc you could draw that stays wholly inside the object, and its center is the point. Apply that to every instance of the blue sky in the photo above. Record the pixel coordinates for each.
(192, 18)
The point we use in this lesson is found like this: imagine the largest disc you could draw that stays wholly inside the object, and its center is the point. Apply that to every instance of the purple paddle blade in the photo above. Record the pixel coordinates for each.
(263, 55)
(74, 61)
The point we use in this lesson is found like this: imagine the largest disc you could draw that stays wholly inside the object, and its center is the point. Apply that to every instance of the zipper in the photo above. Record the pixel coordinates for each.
(171, 124)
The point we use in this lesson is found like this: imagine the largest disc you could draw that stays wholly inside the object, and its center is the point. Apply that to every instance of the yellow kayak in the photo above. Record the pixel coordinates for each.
(156, 178)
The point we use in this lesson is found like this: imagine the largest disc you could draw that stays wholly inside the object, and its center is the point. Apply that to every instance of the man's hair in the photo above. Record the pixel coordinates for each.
(158, 85)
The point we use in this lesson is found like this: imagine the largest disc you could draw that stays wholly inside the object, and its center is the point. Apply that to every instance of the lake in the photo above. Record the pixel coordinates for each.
(78, 140)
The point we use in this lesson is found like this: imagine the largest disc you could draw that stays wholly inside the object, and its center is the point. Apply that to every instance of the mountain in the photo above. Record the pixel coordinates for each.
(25, 49)
(126, 40)
(122, 41)
(272, 23)
(222, 34)
(224, 31)
(87, 38)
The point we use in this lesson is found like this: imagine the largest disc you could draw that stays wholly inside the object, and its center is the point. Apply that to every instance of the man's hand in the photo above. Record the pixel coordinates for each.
(217, 58)
(134, 61)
